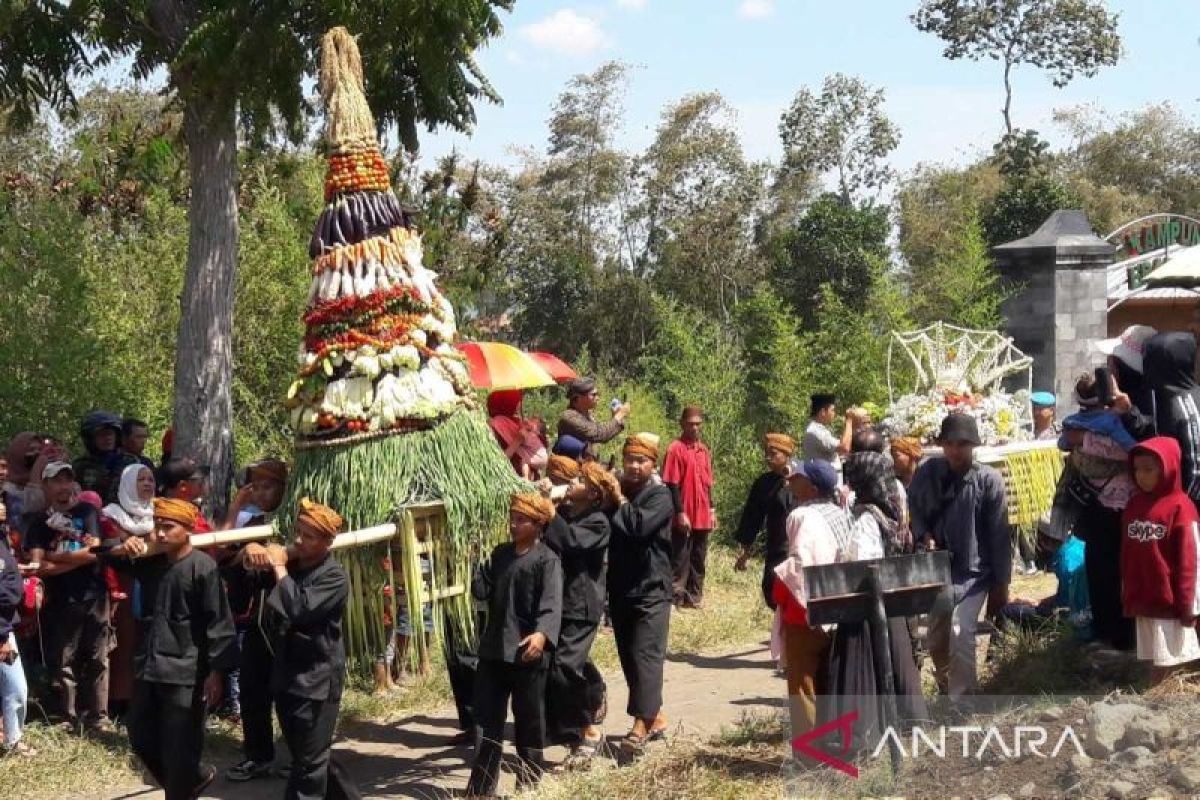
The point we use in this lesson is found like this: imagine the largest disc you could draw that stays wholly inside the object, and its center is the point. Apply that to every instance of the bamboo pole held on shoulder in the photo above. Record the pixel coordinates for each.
(365, 536)
(258, 533)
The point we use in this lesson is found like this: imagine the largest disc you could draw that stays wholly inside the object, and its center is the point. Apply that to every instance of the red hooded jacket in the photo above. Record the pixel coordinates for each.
(1160, 536)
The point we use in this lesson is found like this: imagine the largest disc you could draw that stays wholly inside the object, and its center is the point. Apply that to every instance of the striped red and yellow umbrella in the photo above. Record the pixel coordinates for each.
(494, 366)
(560, 370)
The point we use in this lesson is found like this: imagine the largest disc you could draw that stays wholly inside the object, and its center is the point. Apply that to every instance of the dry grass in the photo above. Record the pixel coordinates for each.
(747, 760)
(66, 765)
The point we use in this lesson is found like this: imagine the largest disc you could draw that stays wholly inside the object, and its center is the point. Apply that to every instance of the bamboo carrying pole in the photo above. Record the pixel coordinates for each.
(366, 536)
(258, 533)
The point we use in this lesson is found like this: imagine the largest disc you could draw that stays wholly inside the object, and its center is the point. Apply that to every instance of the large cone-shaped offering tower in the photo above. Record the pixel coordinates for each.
(382, 405)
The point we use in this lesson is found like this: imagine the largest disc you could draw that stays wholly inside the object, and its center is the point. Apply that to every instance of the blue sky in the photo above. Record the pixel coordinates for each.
(757, 53)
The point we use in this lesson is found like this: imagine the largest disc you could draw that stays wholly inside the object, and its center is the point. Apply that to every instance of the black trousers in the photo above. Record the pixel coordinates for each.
(258, 737)
(641, 626)
(495, 683)
(79, 635)
(689, 557)
(308, 727)
(1100, 529)
(574, 688)
(166, 731)
(461, 663)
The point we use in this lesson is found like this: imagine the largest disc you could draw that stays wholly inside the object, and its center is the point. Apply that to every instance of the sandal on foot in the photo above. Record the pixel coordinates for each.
(657, 735)
(633, 744)
(583, 753)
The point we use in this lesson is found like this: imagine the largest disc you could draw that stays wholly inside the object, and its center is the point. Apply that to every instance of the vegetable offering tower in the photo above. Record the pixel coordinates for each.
(382, 404)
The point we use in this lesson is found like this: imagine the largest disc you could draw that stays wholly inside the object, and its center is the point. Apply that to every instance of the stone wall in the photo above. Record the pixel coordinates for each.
(1080, 320)
(1060, 309)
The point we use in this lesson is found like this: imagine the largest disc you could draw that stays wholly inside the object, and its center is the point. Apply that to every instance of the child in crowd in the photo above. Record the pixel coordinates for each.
(1099, 447)
(118, 589)
(1160, 529)
(522, 588)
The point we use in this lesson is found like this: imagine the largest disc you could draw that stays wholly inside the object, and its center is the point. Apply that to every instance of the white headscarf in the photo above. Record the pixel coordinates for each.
(133, 515)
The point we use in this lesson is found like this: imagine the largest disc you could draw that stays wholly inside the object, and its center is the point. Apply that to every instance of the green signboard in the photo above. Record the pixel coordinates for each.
(1157, 232)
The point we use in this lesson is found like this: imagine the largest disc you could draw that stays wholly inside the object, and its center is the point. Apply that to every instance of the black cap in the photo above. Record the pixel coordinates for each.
(580, 387)
(959, 428)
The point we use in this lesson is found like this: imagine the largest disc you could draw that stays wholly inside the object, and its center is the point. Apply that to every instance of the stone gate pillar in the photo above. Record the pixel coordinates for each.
(1060, 309)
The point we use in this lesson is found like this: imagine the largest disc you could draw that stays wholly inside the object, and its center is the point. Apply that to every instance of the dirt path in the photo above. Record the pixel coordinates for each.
(411, 757)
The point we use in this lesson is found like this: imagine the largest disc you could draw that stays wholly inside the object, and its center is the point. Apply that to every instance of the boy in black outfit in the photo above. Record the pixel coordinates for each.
(522, 587)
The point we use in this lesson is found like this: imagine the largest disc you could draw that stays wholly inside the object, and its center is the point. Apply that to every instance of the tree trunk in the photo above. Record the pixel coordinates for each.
(204, 351)
(1007, 95)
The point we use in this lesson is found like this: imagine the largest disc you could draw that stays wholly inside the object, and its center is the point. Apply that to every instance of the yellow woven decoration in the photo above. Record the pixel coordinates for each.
(350, 126)
(1032, 478)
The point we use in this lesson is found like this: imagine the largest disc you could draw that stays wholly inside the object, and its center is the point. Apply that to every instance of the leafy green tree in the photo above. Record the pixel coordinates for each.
(1022, 154)
(701, 198)
(849, 346)
(932, 205)
(573, 256)
(842, 131)
(271, 294)
(776, 363)
(961, 286)
(1023, 205)
(1064, 37)
(1150, 157)
(695, 361)
(584, 170)
(833, 244)
(231, 65)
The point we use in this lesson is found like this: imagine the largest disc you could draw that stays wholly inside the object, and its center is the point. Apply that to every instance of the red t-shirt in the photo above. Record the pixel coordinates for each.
(689, 467)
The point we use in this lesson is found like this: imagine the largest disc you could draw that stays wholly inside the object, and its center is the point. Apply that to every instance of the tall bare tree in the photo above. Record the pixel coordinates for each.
(1064, 37)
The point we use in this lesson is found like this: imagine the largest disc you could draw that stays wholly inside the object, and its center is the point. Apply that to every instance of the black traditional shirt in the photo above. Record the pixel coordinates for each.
(305, 610)
(580, 544)
(186, 628)
(769, 503)
(639, 559)
(524, 595)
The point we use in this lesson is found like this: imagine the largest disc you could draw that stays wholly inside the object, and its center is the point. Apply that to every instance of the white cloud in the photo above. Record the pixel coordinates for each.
(756, 9)
(633, 5)
(567, 31)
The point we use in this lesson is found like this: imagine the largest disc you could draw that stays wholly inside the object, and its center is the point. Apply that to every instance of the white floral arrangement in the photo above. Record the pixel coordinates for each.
(1001, 416)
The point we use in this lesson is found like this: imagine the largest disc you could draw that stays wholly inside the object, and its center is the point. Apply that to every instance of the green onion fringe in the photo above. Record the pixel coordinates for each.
(369, 483)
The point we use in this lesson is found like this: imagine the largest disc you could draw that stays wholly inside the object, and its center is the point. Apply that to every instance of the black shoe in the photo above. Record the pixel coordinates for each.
(208, 774)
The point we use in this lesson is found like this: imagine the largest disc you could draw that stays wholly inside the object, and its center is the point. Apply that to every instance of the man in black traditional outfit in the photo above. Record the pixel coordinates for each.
(187, 641)
(523, 589)
(640, 588)
(579, 535)
(304, 615)
(768, 505)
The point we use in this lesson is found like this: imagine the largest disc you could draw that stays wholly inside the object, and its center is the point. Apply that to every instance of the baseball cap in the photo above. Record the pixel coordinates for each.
(569, 446)
(819, 473)
(959, 428)
(55, 467)
(1130, 346)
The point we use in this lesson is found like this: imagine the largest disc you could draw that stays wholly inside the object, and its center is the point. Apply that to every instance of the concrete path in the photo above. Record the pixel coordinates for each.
(411, 758)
